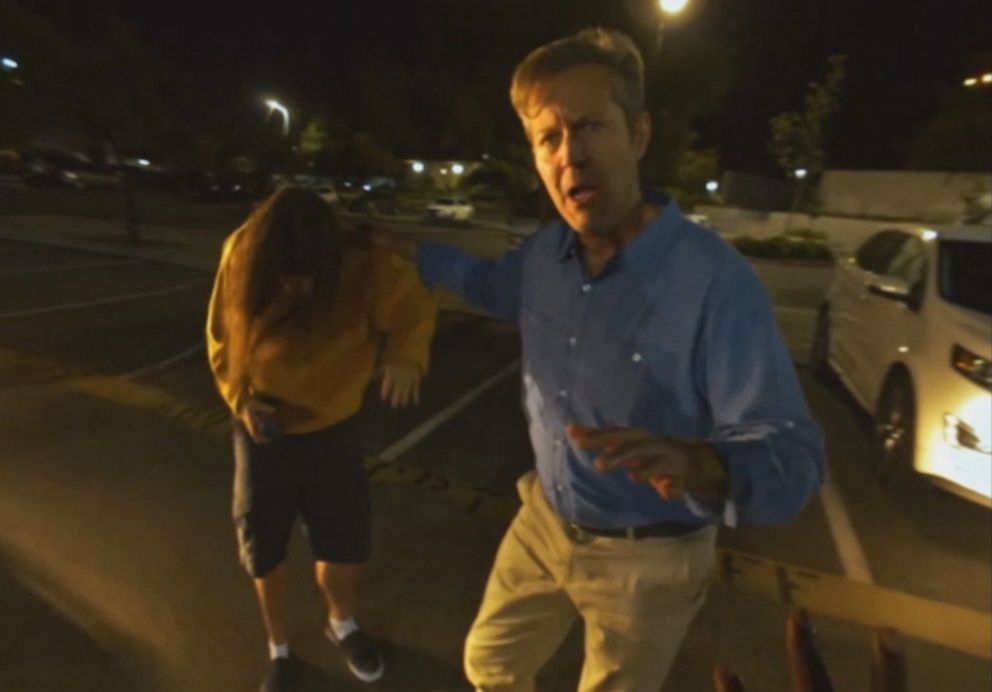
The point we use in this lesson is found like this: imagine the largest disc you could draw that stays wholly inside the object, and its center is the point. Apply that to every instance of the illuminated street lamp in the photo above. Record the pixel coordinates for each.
(276, 106)
(457, 169)
(417, 166)
(672, 6)
(800, 173)
(712, 186)
(9, 64)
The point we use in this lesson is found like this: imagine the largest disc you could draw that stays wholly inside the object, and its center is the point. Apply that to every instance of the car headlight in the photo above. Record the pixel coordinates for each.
(959, 434)
(974, 367)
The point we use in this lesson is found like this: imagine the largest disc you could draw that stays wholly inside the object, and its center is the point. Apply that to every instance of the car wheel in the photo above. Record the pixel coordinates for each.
(819, 351)
(895, 429)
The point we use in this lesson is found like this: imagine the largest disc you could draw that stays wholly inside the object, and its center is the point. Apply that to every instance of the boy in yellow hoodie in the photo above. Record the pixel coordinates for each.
(295, 326)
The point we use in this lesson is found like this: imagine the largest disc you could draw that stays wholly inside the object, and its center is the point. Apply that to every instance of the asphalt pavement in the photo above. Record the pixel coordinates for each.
(117, 560)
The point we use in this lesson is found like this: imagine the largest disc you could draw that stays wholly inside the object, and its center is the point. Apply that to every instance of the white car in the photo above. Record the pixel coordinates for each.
(453, 208)
(907, 327)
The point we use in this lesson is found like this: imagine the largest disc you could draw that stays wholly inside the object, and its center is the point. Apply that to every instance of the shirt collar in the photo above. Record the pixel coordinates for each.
(642, 253)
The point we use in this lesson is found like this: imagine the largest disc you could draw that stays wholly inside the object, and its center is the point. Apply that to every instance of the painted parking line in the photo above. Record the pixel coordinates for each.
(63, 307)
(852, 555)
(954, 627)
(395, 450)
(66, 266)
(163, 364)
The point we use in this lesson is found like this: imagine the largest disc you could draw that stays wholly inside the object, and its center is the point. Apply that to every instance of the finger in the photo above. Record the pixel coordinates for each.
(400, 392)
(726, 680)
(888, 662)
(387, 384)
(621, 451)
(599, 437)
(649, 461)
(671, 488)
(808, 672)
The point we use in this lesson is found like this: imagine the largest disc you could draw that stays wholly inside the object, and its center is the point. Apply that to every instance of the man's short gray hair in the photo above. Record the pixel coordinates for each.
(606, 47)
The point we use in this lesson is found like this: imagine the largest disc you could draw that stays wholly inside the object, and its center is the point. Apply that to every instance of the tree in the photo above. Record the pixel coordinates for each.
(797, 136)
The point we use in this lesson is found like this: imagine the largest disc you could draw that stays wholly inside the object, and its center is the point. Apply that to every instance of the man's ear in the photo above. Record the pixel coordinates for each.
(642, 133)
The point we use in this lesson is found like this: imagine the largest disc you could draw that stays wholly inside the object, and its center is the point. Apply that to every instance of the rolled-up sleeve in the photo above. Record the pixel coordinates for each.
(762, 430)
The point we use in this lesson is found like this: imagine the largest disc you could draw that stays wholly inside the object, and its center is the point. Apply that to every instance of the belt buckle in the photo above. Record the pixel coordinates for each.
(577, 533)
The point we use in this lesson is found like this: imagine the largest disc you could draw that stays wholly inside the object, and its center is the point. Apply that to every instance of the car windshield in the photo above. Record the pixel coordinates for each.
(964, 271)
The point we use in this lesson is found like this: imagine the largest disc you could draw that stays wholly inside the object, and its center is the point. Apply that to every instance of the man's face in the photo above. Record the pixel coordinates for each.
(583, 149)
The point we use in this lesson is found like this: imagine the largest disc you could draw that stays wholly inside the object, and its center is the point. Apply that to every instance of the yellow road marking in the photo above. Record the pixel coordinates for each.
(957, 628)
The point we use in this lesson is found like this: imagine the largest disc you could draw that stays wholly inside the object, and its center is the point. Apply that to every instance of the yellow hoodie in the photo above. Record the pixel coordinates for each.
(324, 372)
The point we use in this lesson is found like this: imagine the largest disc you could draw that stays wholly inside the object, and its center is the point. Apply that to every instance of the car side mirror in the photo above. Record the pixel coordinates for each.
(891, 287)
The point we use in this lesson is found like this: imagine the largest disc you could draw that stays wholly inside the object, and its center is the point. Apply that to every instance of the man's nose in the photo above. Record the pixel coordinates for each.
(573, 149)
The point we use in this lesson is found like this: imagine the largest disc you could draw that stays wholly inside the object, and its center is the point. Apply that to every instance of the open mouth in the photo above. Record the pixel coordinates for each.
(582, 194)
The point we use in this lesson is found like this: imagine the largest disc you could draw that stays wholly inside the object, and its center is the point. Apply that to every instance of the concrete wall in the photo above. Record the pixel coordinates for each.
(934, 197)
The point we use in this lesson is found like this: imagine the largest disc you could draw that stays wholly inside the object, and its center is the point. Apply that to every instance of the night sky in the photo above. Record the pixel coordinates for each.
(901, 54)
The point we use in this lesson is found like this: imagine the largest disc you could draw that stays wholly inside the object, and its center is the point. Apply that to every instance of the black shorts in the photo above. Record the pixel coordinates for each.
(319, 475)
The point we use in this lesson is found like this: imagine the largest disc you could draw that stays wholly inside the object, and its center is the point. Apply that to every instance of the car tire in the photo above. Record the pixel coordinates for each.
(894, 442)
(819, 350)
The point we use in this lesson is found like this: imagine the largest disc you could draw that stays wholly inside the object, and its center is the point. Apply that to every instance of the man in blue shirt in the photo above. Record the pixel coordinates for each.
(660, 398)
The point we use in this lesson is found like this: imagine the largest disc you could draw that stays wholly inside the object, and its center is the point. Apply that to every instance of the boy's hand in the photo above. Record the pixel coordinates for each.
(400, 384)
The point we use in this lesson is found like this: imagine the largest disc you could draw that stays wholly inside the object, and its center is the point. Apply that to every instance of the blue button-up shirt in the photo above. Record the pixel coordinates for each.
(677, 336)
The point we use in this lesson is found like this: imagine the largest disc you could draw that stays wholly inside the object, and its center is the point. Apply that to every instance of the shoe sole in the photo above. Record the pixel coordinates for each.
(361, 675)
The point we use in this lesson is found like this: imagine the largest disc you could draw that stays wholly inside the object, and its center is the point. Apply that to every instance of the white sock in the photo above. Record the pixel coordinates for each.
(278, 650)
(342, 628)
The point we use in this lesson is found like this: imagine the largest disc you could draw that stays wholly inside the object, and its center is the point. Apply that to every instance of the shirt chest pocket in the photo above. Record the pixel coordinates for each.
(634, 377)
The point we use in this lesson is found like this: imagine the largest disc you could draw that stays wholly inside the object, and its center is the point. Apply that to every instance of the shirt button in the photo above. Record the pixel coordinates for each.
(563, 393)
(558, 442)
(636, 357)
(572, 341)
(586, 288)
(560, 488)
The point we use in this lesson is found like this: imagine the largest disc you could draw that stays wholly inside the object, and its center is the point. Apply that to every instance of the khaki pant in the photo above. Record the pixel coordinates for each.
(637, 599)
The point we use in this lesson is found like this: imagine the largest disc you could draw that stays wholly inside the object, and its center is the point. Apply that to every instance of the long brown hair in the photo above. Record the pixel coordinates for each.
(282, 274)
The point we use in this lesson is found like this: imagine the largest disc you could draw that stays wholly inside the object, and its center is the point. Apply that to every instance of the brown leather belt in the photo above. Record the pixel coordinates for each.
(664, 529)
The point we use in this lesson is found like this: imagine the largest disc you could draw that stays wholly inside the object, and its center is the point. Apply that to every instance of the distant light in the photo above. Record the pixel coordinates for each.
(672, 6)
(9, 64)
(800, 173)
(987, 78)
(712, 186)
(367, 188)
(457, 169)
(929, 235)
(417, 166)
(970, 82)
(904, 349)
(485, 157)
(444, 171)
(144, 162)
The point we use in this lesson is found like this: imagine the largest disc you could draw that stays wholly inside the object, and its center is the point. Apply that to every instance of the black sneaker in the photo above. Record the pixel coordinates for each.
(361, 654)
(281, 676)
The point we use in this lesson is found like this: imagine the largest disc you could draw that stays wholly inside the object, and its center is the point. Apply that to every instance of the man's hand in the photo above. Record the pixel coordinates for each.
(400, 384)
(255, 415)
(672, 466)
(390, 242)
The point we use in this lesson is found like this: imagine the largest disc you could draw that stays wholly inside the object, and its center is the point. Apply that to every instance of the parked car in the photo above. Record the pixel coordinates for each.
(452, 208)
(61, 169)
(907, 327)
(378, 201)
(322, 185)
